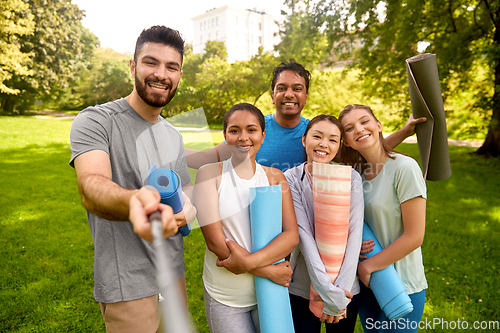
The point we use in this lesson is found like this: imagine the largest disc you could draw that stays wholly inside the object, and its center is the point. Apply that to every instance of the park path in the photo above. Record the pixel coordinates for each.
(412, 139)
(451, 142)
(51, 114)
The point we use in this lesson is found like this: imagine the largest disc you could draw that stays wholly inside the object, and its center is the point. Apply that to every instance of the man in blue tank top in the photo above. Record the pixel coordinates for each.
(282, 148)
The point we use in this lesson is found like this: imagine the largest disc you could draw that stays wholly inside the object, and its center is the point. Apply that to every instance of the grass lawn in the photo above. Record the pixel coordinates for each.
(46, 271)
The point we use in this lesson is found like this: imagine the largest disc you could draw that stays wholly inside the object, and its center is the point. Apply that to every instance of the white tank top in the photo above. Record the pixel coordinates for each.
(234, 199)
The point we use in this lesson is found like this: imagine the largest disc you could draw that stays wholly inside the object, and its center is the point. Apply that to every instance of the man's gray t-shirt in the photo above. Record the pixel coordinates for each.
(124, 263)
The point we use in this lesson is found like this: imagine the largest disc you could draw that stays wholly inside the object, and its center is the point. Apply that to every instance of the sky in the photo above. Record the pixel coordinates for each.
(117, 24)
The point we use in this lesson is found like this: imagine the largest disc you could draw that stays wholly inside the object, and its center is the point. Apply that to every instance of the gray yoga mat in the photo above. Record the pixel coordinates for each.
(427, 101)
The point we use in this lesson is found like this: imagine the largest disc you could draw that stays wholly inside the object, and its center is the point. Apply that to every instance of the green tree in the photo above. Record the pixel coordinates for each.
(331, 90)
(214, 87)
(209, 81)
(464, 35)
(301, 34)
(195, 89)
(15, 21)
(258, 75)
(59, 44)
(192, 62)
(104, 77)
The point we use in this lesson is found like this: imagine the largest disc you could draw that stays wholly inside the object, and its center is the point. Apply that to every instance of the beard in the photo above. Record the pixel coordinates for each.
(153, 99)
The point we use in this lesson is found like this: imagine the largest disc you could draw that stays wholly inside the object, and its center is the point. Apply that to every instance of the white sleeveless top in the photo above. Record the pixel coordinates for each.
(234, 199)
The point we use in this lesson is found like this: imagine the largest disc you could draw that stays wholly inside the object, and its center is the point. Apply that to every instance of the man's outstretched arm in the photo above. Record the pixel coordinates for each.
(100, 194)
(197, 158)
(108, 200)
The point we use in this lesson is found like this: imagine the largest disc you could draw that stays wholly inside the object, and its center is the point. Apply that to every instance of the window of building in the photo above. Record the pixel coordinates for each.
(260, 40)
(260, 26)
(217, 21)
(201, 26)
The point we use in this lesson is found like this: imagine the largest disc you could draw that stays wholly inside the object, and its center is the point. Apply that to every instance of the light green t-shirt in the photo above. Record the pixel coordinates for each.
(399, 180)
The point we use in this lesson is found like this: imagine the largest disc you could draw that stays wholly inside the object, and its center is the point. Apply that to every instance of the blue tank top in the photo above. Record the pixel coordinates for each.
(282, 148)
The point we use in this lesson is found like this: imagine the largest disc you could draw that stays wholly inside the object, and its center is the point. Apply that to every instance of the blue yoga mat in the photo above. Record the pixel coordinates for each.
(386, 284)
(168, 183)
(273, 301)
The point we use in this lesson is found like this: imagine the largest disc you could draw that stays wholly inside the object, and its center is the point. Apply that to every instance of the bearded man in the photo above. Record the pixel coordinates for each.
(113, 147)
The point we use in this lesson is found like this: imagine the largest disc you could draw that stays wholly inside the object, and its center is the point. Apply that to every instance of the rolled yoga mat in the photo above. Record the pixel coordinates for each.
(331, 187)
(273, 301)
(386, 284)
(427, 101)
(168, 183)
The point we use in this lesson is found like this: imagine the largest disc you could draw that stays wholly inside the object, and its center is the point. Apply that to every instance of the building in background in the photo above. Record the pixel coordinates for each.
(242, 30)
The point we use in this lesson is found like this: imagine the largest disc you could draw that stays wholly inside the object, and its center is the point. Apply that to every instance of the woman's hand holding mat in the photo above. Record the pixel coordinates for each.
(237, 262)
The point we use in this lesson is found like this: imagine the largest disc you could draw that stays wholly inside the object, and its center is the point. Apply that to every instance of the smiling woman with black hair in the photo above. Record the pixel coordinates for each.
(221, 196)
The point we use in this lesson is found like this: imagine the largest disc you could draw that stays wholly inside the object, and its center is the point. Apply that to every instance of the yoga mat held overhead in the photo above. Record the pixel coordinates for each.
(386, 284)
(331, 187)
(427, 101)
(168, 183)
(273, 301)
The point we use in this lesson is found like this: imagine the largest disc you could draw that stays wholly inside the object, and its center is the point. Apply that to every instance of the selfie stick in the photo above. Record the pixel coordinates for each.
(174, 314)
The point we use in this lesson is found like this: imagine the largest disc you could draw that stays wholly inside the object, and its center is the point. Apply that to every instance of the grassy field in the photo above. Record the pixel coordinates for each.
(46, 271)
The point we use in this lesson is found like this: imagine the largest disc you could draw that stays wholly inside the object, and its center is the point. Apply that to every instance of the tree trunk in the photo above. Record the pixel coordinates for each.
(8, 104)
(491, 145)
